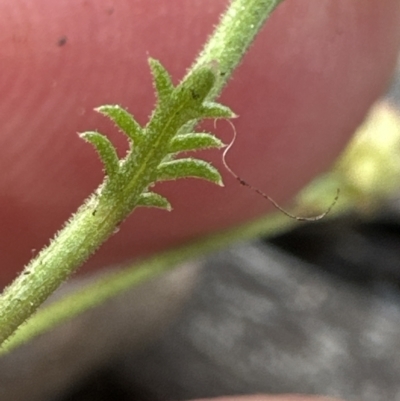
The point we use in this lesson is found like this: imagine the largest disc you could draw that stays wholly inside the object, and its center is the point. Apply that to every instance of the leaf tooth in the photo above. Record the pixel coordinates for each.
(105, 150)
(215, 110)
(194, 141)
(124, 121)
(185, 128)
(195, 88)
(205, 110)
(152, 199)
(188, 167)
(162, 81)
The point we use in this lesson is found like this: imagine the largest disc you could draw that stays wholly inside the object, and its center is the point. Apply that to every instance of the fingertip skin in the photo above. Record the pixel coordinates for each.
(304, 86)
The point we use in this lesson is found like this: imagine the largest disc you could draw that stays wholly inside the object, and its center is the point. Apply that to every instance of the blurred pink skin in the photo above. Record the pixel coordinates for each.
(301, 91)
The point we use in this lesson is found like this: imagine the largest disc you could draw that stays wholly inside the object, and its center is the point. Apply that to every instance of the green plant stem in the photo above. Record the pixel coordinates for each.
(69, 249)
(233, 36)
(116, 282)
(98, 218)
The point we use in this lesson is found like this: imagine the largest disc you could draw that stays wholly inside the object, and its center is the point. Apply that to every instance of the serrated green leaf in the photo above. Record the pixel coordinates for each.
(162, 81)
(194, 141)
(105, 149)
(189, 167)
(124, 121)
(151, 199)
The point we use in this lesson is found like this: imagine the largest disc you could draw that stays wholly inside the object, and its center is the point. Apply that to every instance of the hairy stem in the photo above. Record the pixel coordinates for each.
(233, 36)
(98, 218)
(116, 282)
